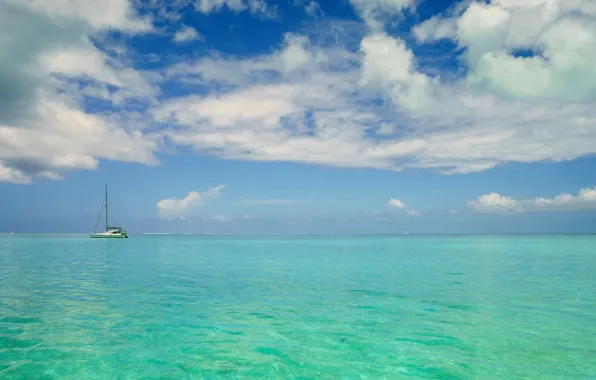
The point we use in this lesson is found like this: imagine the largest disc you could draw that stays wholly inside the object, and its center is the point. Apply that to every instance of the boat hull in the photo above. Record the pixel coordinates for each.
(106, 236)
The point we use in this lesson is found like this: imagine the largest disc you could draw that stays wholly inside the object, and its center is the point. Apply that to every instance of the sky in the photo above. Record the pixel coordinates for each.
(299, 116)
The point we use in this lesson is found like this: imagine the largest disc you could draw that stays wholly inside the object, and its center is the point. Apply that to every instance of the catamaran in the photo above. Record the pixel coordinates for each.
(110, 232)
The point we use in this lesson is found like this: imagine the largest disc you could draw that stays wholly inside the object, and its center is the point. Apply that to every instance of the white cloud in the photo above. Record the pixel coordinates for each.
(396, 203)
(386, 129)
(377, 12)
(62, 137)
(317, 99)
(313, 9)
(187, 34)
(388, 64)
(46, 51)
(42, 38)
(494, 202)
(179, 208)
(561, 33)
(50, 175)
(295, 56)
(435, 28)
(588, 195)
(322, 111)
(12, 175)
(482, 29)
(254, 6)
(87, 62)
(441, 26)
(106, 14)
(265, 103)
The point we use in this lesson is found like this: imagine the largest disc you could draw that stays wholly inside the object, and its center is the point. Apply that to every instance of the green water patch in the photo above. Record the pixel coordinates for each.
(13, 343)
(434, 372)
(430, 340)
(21, 320)
(374, 293)
(261, 315)
(450, 305)
(366, 307)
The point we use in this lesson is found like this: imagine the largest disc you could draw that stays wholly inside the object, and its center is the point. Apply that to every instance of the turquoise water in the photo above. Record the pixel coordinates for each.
(225, 307)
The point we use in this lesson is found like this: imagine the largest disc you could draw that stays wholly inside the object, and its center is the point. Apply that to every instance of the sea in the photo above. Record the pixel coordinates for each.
(298, 307)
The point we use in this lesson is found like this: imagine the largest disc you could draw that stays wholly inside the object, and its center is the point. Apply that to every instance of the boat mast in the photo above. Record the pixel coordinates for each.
(106, 208)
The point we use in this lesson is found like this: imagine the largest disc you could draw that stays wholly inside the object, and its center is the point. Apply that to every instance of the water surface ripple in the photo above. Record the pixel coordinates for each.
(226, 307)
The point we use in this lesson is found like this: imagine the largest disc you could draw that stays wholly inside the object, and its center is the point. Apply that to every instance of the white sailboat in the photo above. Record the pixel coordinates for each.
(110, 232)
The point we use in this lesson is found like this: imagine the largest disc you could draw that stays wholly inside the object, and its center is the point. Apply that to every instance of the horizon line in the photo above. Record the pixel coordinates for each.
(311, 233)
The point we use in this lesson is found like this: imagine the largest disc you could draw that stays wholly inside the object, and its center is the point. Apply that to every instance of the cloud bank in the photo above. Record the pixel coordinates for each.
(180, 208)
(494, 203)
(341, 93)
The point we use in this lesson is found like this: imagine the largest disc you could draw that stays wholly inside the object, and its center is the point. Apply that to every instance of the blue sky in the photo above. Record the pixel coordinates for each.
(351, 116)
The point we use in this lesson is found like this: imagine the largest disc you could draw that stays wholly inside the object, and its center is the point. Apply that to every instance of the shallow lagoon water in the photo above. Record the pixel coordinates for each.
(298, 307)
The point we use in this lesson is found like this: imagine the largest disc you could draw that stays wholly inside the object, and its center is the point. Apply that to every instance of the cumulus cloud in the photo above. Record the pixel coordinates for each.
(65, 138)
(327, 97)
(377, 12)
(187, 34)
(443, 25)
(108, 14)
(49, 67)
(436, 28)
(396, 203)
(179, 208)
(319, 104)
(494, 202)
(12, 175)
(253, 6)
(86, 62)
(295, 56)
(313, 9)
(389, 65)
(560, 34)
